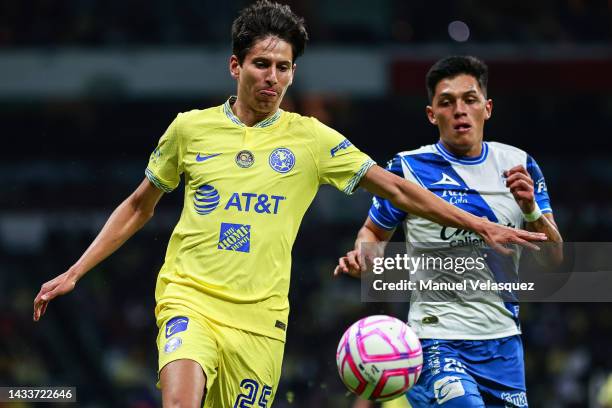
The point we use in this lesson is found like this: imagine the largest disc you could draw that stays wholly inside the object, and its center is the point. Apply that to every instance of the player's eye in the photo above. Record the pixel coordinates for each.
(260, 64)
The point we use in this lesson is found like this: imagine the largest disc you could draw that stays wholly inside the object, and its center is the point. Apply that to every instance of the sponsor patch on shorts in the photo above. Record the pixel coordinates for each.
(173, 344)
(447, 388)
(176, 325)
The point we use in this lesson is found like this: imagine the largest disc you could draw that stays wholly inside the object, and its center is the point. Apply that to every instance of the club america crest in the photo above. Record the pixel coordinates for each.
(282, 160)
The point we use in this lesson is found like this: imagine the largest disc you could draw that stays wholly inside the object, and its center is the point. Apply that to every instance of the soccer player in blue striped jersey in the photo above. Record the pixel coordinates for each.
(473, 355)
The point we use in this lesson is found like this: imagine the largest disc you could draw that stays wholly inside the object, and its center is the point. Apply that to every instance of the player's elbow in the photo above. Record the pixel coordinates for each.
(140, 210)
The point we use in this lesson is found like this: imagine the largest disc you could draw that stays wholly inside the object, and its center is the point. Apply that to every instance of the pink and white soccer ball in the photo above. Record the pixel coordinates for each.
(379, 358)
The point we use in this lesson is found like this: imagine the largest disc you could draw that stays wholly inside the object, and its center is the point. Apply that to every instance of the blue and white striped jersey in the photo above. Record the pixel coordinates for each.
(476, 185)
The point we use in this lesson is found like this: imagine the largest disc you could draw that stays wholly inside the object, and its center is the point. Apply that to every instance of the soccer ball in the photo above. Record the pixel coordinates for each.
(379, 358)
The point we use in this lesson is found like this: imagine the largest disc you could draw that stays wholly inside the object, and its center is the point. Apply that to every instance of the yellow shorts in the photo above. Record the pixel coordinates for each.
(242, 368)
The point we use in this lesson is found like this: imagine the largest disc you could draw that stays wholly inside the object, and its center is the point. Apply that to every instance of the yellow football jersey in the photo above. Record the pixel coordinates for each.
(246, 191)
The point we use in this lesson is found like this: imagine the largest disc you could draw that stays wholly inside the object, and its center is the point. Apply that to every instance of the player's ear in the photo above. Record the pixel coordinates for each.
(234, 67)
(430, 115)
(488, 108)
(293, 68)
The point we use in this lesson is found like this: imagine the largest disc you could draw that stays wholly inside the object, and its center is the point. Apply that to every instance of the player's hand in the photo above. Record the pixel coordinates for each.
(351, 264)
(520, 184)
(60, 285)
(496, 236)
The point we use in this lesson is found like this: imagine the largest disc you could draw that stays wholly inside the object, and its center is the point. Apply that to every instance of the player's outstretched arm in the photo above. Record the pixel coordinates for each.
(413, 199)
(131, 215)
(354, 263)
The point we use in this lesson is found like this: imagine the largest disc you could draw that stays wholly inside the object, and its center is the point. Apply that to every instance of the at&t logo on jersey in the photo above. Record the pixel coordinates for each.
(205, 199)
(260, 203)
(282, 160)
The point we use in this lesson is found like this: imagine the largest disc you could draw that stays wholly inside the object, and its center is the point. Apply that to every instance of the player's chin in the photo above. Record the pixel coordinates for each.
(268, 103)
(465, 139)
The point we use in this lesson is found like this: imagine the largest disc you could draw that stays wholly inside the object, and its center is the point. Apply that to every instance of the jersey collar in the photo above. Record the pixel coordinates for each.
(227, 108)
(462, 159)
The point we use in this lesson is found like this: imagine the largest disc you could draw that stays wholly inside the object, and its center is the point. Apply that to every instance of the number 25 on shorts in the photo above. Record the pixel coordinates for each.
(247, 398)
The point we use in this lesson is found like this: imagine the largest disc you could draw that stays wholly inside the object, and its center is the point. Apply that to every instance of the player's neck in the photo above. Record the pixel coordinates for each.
(471, 151)
(248, 116)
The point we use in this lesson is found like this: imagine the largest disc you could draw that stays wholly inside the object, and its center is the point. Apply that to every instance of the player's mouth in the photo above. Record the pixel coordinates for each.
(462, 127)
(269, 92)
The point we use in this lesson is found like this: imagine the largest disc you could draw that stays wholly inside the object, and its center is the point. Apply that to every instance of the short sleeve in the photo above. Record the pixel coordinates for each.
(340, 163)
(165, 166)
(382, 212)
(539, 186)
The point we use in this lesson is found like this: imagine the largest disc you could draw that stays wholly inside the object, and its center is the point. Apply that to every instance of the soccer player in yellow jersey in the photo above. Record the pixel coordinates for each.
(250, 171)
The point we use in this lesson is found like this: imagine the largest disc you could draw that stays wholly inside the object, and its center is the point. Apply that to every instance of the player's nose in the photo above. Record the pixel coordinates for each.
(460, 109)
(271, 77)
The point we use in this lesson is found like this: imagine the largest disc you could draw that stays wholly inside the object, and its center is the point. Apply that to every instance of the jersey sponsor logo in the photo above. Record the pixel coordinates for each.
(173, 344)
(245, 159)
(204, 157)
(343, 145)
(155, 155)
(459, 237)
(176, 325)
(235, 237)
(206, 199)
(455, 197)
(260, 203)
(447, 388)
(516, 399)
(446, 179)
(540, 186)
(282, 160)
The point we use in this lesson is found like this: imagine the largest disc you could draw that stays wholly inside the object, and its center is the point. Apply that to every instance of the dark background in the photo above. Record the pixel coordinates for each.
(70, 157)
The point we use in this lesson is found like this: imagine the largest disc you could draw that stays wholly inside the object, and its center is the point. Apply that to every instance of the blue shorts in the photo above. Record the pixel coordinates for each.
(471, 373)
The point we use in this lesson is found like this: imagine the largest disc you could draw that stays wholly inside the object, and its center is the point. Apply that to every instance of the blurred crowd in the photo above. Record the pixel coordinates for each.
(158, 22)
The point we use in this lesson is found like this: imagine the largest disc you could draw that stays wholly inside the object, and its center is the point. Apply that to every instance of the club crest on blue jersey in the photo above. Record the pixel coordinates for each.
(235, 237)
(176, 325)
(245, 159)
(282, 160)
(206, 199)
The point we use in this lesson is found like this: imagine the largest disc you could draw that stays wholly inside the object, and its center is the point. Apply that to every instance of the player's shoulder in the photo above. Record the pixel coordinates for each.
(504, 148)
(507, 153)
(199, 114)
(307, 123)
(426, 149)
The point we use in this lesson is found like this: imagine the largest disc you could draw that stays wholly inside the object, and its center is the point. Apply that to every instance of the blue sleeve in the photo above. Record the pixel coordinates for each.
(382, 212)
(539, 185)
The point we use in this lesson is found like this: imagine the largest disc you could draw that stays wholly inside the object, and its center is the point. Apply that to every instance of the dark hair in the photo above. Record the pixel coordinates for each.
(265, 18)
(450, 67)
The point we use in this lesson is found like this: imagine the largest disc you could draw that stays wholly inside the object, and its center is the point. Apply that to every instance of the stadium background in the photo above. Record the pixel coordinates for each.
(87, 87)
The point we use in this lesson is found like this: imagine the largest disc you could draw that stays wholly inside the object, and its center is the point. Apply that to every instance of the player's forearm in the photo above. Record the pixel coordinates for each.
(421, 202)
(551, 253)
(366, 235)
(416, 200)
(124, 222)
